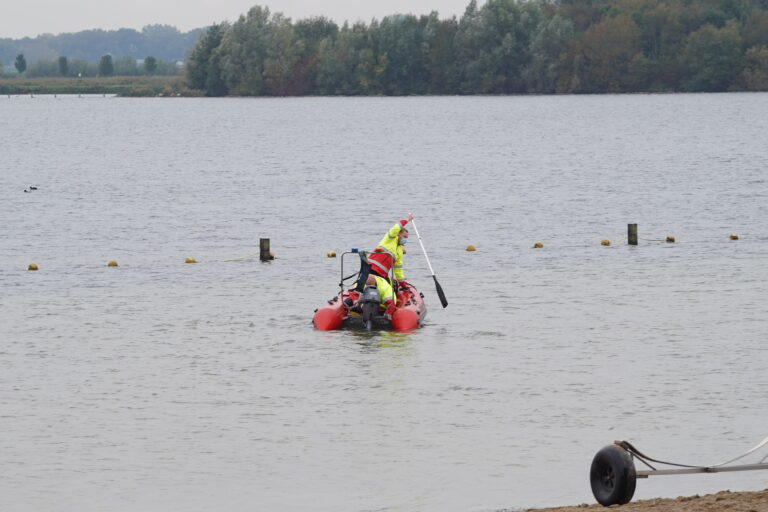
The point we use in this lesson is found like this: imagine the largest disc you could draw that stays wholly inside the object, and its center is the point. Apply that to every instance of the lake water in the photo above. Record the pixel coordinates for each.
(163, 386)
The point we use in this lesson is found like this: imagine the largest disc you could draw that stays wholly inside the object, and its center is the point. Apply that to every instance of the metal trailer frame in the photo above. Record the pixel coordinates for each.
(613, 475)
(686, 471)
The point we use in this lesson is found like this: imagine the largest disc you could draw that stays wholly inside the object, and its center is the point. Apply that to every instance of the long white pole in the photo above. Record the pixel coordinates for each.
(413, 221)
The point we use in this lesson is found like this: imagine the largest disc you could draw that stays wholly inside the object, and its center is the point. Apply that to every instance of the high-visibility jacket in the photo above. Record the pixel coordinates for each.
(386, 293)
(389, 254)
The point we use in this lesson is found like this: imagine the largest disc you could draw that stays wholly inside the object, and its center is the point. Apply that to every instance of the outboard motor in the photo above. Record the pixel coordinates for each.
(369, 300)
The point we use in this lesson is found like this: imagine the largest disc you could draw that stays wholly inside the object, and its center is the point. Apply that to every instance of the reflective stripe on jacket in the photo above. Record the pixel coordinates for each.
(389, 254)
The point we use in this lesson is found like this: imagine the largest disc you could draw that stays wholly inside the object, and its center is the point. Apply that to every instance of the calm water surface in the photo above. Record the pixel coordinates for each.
(160, 386)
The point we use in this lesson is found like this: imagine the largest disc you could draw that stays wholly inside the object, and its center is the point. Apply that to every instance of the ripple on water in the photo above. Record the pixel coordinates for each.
(163, 385)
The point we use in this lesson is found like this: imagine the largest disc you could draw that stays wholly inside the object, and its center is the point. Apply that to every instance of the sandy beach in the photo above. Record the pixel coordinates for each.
(724, 501)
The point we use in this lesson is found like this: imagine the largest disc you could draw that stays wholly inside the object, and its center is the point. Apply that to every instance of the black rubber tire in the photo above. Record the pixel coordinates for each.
(369, 310)
(613, 476)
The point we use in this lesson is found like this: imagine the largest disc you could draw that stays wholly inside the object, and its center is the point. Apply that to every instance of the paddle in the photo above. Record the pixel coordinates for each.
(439, 288)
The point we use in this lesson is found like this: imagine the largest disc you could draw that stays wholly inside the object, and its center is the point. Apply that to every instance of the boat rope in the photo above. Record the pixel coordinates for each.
(345, 279)
(243, 257)
(647, 460)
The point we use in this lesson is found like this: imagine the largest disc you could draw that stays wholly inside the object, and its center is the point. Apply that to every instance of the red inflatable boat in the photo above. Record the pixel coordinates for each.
(409, 313)
(366, 311)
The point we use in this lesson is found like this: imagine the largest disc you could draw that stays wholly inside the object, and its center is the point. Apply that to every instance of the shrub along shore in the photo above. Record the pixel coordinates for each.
(119, 85)
(724, 501)
(127, 86)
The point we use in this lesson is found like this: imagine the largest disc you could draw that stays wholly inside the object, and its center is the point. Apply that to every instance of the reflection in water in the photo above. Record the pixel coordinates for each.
(394, 339)
(376, 339)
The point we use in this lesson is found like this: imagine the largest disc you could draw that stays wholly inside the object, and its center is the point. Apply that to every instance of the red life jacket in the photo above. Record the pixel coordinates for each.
(381, 261)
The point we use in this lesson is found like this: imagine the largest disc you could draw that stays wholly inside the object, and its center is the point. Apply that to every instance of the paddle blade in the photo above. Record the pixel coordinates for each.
(440, 293)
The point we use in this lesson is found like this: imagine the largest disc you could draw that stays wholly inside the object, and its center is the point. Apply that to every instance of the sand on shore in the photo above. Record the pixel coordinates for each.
(724, 501)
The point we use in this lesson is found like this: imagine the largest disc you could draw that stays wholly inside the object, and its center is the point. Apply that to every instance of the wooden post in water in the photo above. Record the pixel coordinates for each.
(632, 234)
(264, 254)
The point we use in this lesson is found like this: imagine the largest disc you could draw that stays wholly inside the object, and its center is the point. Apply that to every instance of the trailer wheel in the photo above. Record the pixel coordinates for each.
(613, 476)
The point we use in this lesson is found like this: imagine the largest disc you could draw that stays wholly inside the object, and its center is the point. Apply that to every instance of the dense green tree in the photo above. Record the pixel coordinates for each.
(610, 57)
(125, 66)
(344, 65)
(755, 74)
(328, 66)
(368, 72)
(150, 65)
(106, 66)
(400, 42)
(81, 68)
(312, 32)
(494, 46)
(661, 29)
(441, 57)
(756, 29)
(243, 52)
(63, 66)
(204, 68)
(215, 83)
(43, 68)
(21, 63)
(501, 47)
(550, 40)
(470, 52)
(582, 14)
(284, 50)
(712, 57)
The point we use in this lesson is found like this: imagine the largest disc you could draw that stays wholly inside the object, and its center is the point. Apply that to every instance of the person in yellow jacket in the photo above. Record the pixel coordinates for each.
(386, 260)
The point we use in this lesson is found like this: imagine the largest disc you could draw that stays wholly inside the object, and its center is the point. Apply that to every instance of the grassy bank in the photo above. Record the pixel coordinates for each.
(120, 85)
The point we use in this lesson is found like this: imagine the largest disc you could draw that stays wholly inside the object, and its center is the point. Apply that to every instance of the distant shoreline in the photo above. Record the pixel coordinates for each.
(724, 501)
(143, 86)
(175, 86)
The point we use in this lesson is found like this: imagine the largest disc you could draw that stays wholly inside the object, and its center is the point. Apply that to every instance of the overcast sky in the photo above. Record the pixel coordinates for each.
(33, 17)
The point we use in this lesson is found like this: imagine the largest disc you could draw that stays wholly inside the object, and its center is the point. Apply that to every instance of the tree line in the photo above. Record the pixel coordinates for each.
(164, 42)
(501, 47)
(106, 66)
